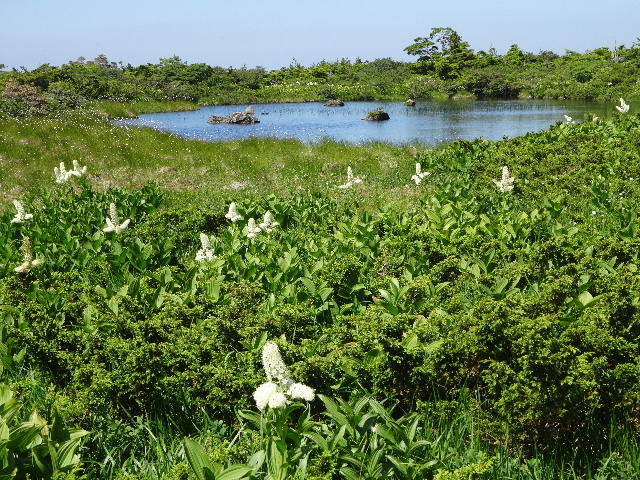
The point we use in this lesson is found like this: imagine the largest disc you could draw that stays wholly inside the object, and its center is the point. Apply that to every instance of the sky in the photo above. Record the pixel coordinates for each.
(274, 34)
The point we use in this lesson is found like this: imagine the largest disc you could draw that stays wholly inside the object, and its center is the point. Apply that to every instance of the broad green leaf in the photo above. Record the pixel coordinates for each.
(234, 472)
(198, 460)
(276, 454)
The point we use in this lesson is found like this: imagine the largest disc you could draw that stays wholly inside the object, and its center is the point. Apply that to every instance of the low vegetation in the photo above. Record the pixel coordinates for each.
(176, 309)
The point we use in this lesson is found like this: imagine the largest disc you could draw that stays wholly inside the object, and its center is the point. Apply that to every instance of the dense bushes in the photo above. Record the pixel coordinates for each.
(520, 305)
(456, 71)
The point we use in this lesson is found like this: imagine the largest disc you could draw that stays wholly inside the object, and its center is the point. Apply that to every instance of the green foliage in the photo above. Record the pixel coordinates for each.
(446, 66)
(507, 317)
(34, 447)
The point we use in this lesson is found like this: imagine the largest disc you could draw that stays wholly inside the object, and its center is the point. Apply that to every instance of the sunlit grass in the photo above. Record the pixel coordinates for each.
(131, 156)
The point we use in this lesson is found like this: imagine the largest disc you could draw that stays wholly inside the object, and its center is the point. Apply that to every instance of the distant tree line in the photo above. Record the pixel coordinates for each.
(445, 66)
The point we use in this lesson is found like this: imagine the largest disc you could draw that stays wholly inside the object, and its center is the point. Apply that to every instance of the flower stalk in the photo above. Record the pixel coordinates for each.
(206, 252)
(21, 215)
(113, 222)
(505, 184)
(279, 388)
(29, 260)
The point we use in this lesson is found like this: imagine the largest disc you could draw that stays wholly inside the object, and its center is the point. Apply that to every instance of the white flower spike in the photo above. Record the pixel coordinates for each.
(268, 223)
(623, 108)
(206, 252)
(21, 215)
(351, 180)
(62, 176)
(27, 254)
(419, 174)
(279, 385)
(113, 222)
(505, 184)
(252, 229)
(233, 214)
(78, 171)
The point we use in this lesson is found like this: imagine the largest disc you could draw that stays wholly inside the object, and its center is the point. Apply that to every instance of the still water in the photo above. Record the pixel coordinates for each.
(427, 123)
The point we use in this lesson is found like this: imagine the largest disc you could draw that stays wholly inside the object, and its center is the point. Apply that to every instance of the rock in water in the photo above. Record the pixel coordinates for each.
(237, 118)
(377, 116)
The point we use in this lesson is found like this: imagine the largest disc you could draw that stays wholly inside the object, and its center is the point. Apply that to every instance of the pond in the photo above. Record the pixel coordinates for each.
(426, 123)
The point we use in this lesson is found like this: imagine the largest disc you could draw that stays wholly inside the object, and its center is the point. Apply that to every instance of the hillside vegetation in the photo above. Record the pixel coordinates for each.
(468, 311)
(446, 67)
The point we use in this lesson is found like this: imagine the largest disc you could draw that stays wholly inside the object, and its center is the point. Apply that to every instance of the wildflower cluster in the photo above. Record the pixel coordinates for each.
(253, 230)
(505, 184)
(351, 180)
(206, 252)
(27, 254)
(279, 388)
(268, 222)
(233, 214)
(419, 174)
(113, 222)
(21, 215)
(623, 107)
(63, 175)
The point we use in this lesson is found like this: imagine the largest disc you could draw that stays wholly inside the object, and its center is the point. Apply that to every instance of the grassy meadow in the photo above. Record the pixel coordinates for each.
(455, 318)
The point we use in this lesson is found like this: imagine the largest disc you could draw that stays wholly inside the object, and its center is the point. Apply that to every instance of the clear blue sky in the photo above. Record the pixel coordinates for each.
(272, 33)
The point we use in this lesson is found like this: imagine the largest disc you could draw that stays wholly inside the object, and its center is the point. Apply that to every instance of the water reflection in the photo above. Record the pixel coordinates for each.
(427, 123)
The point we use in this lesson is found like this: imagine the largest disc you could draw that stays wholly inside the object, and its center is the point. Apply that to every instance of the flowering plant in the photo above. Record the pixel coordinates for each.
(351, 180)
(505, 184)
(29, 261)
(252, 229)
(113, 222)
(206, 252)
(63, 175)
(268, 223)
(21, 215)
(279, 388)
(623, 107)
(233, 214)
(419, 174)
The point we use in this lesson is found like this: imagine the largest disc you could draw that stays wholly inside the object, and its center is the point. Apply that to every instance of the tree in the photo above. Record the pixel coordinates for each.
(442, 42)
(514, 56)
(443, 51)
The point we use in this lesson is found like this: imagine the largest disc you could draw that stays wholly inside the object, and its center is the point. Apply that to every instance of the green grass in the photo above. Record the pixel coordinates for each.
(198, 170)
(132, 109)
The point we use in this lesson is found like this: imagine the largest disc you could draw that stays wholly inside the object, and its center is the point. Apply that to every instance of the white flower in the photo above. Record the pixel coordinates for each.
(62, 176)
(506, 183)
(233, 214)
(77, 170)
(274, 366)
(113, 222)
(569, 119)
(27, 254)
(268, 223)
(623, 108)
(252, 229)
(263, 393)
(419, 174)
(20, 216)
(301, 391)
(277, 400)
(206, 252)
(351, 180)
(279, 386)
